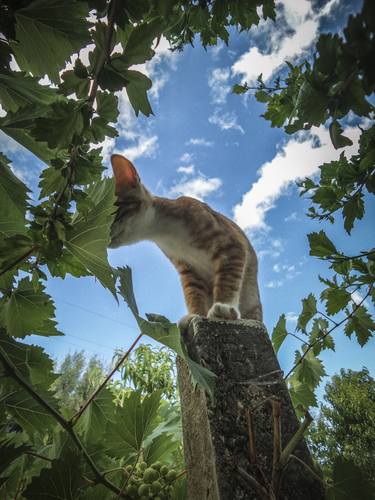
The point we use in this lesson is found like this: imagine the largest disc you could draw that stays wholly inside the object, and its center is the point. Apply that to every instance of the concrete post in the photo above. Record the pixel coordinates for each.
(216, 437)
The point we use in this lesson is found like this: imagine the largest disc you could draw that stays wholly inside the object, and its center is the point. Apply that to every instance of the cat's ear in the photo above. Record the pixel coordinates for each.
(126, 176)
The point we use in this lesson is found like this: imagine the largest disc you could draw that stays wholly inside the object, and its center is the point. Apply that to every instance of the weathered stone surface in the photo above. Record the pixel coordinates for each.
(215, 432)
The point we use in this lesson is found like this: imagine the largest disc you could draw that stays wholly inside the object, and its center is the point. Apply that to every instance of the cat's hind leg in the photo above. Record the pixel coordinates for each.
(229, 266)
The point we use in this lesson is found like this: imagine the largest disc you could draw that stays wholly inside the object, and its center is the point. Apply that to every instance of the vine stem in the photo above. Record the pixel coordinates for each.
(87, 403)
(20, 259)
(66, 425)
(348, 257)
(357, 306)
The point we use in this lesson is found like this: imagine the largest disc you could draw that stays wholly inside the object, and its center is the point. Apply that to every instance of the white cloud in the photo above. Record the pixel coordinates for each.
(274, 284)
(199, 187)
(299, 16)
(274, 247)
(292, 217)
(199, 141)
(292, 317)
(218, 83)
(225, 121)
(297, 159)
(357, 298)
(186, 157)
(145, 147)
(186, 169)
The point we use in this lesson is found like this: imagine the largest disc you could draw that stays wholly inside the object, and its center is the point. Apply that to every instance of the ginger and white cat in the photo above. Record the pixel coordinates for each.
(216, 262)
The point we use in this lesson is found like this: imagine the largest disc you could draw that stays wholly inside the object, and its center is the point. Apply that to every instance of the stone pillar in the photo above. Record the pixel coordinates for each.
(216, 438)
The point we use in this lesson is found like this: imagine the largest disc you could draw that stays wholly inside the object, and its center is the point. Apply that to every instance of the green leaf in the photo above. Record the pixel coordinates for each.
(60, 126)
(336, 299)
(97, 416)
(319, 335)
(89, 236)
(9, 452)
(362, 324)
(239, 89)
(30, 415)
(160, 329)
(62, 480)
(320, 245)
(349, 482)
(13, 198)
(353, 209)
(302, 396)
(107, 106)
(14, 249)
(310, 369)
(18, 90)
(136, 88)
(30, 360)
(338, 140)
(48, 32)
(161, 448)
(134, 422)
(137, 49)
(308, 311)
(27, 312)
(279, 333)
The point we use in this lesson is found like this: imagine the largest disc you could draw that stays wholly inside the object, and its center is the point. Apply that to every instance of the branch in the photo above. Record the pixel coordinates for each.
(328, 332)
(312, 472)
(14, 374)
(20, 259)
(251, 435)
(276, 462)
(261, 490)
(87, 403)
(345, 257)
(296, 438)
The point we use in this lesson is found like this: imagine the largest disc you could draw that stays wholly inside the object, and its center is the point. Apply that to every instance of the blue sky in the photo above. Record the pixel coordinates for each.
(205, 142)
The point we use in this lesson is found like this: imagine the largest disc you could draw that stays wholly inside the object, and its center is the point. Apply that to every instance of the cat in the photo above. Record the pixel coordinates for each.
(216, 262)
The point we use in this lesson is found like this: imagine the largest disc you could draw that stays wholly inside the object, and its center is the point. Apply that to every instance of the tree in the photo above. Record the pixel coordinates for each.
(77, 379)
(345, 426)
(336, 82)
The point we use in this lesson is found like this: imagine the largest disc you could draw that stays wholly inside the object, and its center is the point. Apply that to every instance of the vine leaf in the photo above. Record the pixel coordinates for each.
(361, 324)
(309, 370)
(100, 413)
(89, 236)
(134, 422)
(321, 245)
(348, 481)
(48, 32)
(8, 453)
(336, 299)
(338, 140)
(18, 91)
(62, 480)
(308, 311)
(162, 330)
(302, 396)
(13, 198)
(279, 333)
(137, 87)
(28, 311)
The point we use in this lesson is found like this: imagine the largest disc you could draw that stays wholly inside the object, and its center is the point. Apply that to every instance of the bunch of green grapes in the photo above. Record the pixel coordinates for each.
(153, 482)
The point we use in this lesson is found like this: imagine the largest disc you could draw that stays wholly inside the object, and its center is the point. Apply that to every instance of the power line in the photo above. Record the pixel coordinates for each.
(95, 313)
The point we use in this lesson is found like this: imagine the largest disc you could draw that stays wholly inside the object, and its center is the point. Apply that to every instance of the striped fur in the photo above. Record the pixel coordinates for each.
(215, 260)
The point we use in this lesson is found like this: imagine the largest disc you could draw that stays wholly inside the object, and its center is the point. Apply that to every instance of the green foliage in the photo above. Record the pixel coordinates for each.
(342, 438)
(338, 80)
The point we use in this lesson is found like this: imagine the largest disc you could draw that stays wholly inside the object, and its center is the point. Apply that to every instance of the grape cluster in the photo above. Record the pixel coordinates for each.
(154, 481)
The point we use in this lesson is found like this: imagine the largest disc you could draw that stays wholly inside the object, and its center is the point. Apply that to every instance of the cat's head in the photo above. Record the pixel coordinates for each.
(133, 201)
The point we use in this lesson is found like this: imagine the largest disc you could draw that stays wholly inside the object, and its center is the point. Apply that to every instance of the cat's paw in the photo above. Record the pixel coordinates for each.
(223, 311)
(184, 323)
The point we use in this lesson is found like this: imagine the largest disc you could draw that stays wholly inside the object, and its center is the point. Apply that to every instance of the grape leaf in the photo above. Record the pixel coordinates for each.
(353, 209)
(99, 414)
(302, 395)
(361, 324)
(336, 299)
(89, 236)
(338, 140)
(308, 311)
(134, 422)
(348, 482)
(162, 330)
(309, 370)
(18, 90)
(13, 198)
(27, 310)
(136, 88)
(279, 333)
(48, 32)
(60, 481)
(321, 245)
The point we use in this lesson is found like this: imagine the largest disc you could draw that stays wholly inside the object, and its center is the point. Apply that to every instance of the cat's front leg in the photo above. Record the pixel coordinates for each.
(229, 271)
